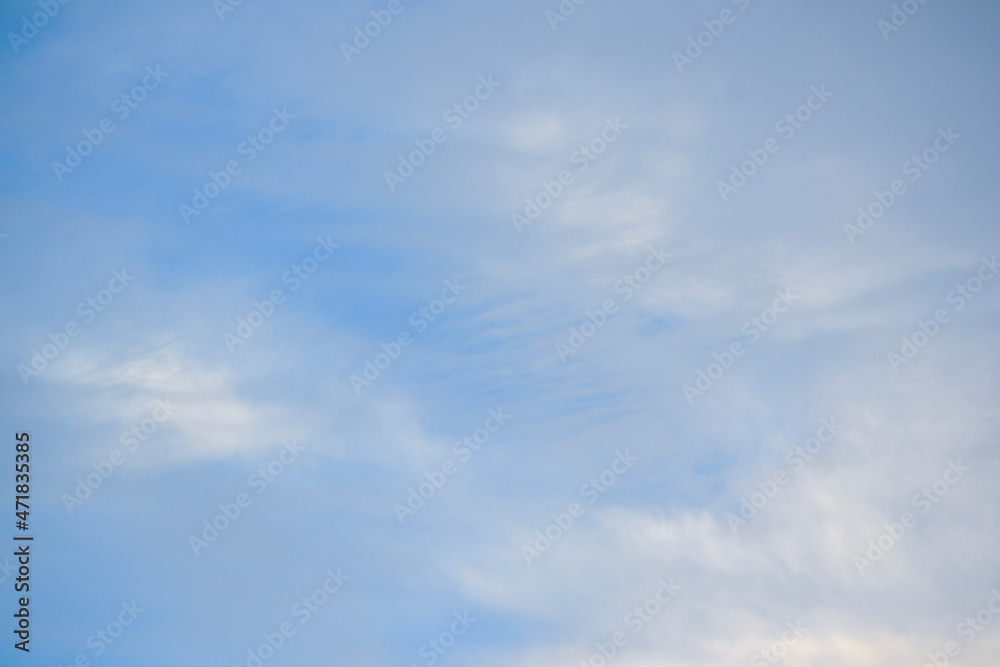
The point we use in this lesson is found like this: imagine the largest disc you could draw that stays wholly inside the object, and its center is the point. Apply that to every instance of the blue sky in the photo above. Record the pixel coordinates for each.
(202, 85)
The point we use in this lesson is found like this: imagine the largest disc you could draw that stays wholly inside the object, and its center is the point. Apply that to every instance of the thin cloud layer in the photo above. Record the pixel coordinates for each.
(803, 382)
